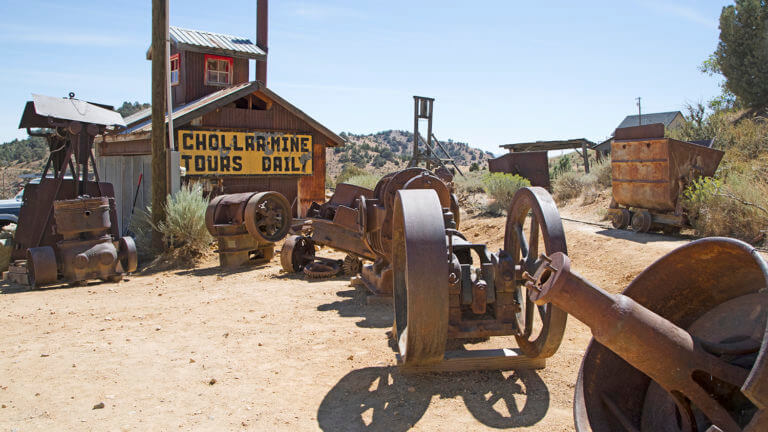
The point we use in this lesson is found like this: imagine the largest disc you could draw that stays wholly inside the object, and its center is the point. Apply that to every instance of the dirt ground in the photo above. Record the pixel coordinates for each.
(257, 349)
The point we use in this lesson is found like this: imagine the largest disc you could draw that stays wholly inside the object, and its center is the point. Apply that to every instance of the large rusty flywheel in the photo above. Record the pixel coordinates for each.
(534, 228)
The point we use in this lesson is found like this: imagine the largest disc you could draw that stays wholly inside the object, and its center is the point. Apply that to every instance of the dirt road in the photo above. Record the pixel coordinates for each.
(259, 350)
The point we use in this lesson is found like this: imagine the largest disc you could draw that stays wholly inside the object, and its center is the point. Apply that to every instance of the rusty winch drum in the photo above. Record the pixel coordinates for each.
(247, 225)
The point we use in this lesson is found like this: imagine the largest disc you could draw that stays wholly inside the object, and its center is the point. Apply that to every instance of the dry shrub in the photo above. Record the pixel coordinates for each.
(736, 208)
(501, 188)
(184, 224)
(6, 245)
(603, 173)
(567, 186)
(348, 172)
(140, 228)
(470, 183)
(367, 181)
(184, 232)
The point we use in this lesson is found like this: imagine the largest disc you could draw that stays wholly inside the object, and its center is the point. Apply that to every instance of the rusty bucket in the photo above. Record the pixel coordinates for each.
(715, 290)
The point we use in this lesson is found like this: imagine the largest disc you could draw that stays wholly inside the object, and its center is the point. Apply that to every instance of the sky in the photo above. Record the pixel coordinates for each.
(500, 71)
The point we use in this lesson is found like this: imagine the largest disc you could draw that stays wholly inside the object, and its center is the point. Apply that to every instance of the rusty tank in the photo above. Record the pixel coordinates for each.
(650, 174)
(247, 225)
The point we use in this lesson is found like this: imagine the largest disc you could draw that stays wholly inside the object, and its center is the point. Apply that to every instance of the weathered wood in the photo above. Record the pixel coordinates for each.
(159, 185)
(493, 359)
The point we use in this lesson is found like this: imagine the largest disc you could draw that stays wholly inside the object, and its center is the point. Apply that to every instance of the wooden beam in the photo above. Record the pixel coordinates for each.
(159, 163)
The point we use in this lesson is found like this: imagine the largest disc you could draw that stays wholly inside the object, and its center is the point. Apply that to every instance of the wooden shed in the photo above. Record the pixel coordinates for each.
(233, 135)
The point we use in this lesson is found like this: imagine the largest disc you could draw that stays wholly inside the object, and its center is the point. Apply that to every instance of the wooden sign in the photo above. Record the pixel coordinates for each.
(212, 152)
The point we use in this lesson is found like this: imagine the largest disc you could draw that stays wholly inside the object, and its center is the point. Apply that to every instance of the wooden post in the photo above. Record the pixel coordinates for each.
(585, 155)
(159, 168)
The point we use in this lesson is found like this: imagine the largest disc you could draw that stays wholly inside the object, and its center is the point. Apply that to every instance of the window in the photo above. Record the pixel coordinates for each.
(218, 70)
(175, 69)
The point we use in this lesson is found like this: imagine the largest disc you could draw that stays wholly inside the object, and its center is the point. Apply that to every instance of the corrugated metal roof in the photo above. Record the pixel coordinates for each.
(651, 118)
(216, 41)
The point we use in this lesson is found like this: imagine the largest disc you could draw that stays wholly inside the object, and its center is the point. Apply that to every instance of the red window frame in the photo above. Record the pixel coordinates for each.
(175, 58)
(229, 60)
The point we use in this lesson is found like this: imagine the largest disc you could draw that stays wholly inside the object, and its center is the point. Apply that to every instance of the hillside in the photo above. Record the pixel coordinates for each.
(390, 150)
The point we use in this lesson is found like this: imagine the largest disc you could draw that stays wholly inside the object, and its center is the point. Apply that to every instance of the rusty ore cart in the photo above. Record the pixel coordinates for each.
(683, 348)
(650, 174)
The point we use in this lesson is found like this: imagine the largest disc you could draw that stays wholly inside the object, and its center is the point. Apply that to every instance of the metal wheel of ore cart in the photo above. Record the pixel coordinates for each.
(41, 266)
(642, 221)
(297, 252)
(713, 289)
(540, 327)
(420, 263)
(268, 216)
(620, 218)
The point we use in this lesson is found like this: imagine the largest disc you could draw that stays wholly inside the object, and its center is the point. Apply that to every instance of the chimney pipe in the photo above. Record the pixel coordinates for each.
(261, 38)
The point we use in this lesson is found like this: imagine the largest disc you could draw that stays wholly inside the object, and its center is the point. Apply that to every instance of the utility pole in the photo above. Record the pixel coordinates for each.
(159, 164)
(639, 112)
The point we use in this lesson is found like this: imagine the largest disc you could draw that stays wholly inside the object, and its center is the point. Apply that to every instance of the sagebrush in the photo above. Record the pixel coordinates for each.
(367, 181)
(738, 208)
(184, 224)
(501, 188)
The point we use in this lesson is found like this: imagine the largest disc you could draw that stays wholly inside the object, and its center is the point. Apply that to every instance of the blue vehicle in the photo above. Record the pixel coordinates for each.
(9, 209)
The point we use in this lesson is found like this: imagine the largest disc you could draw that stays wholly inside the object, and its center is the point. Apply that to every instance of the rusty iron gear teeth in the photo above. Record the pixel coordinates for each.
(322, 269)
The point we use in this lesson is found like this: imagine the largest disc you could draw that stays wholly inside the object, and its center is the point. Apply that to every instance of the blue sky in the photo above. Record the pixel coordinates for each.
(501, 71)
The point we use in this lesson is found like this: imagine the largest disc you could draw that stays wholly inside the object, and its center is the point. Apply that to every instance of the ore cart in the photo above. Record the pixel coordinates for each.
(650, 174)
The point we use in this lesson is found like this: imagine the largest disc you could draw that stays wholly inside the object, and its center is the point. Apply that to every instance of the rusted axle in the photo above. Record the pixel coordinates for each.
(689, 369)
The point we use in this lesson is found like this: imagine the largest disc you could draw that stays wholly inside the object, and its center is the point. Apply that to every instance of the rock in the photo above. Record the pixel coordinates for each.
(44, 355)
(191, 360)
(212, 381)
(99, 405)
(158, 328)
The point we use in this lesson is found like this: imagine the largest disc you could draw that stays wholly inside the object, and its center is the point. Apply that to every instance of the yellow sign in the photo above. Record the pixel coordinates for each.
(211, 152)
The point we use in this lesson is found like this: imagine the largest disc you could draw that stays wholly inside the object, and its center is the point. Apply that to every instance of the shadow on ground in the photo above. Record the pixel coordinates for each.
(642, 238)
(353, 304)
(382, 399)
(7, 287)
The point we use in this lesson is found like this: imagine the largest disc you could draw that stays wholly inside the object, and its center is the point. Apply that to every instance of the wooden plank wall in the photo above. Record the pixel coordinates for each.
(123, 172)
(278, 119)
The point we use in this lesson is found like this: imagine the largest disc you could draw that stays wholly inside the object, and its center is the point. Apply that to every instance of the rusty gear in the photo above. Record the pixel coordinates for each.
(352, 265)
(324, 268)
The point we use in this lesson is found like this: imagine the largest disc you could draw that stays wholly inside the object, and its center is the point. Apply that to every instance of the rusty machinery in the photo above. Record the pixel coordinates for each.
(247, 225)
(649, 175)
(684, 348)
(358, 221)
(67, 223)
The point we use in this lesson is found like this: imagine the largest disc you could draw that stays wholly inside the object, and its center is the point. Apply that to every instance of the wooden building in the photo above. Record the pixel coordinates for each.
(232, 134)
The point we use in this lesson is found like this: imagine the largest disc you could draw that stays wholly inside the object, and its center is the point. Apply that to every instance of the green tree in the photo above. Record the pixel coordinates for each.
(742, 53)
